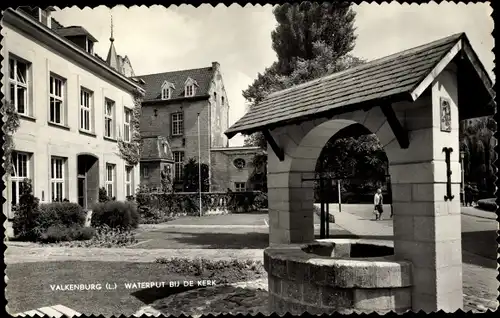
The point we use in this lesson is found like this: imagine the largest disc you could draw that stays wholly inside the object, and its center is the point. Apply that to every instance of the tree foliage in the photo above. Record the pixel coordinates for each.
(477, 142)
(131, 151)
(311, 40)
(191, 176)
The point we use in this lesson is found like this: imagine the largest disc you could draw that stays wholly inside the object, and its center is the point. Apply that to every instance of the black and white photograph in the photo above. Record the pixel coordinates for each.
(308, 157)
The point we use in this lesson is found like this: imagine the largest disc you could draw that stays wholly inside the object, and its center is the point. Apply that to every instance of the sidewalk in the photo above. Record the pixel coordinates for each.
(480, 286)
(479, 213)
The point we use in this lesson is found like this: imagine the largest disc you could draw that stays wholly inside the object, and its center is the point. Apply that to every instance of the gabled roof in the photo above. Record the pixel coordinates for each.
(153, 149)
(202, 76)
(74, 31)
(401, 76)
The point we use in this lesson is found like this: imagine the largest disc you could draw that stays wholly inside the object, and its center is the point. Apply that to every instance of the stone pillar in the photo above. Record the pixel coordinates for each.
(427, 229)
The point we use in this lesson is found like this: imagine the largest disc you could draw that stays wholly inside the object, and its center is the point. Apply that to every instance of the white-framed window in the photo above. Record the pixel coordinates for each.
(126, 124)
(177, 124)
(240, 186)
(129, 180)
(86, 100)
(56, 94)
(19, 84)
(189, 90)
(109, 118)
(20, 171)
(145, 172)
(57, 182)
(166, 93)
(110, 180)
(178, 164)
(44, 17)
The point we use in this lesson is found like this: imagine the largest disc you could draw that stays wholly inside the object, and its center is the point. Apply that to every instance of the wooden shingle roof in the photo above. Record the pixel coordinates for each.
(398, 75)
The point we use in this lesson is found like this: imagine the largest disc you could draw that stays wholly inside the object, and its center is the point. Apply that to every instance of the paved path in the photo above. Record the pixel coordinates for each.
(479, 273)
(51, 311)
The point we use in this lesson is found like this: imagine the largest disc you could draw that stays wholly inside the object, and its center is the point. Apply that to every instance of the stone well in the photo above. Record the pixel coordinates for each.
(337, 275)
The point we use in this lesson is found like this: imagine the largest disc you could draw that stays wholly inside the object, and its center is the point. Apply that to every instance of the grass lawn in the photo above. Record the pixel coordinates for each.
(29, 286)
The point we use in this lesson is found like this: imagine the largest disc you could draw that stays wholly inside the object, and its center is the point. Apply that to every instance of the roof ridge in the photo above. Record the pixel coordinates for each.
(370, 63)
(185, 70)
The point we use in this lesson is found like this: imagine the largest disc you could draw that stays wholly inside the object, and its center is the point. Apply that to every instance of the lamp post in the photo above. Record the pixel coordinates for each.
(462, 181)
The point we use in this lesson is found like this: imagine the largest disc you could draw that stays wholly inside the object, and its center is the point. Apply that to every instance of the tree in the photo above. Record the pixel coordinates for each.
(311, 40)
(477, 142)
(191, 177)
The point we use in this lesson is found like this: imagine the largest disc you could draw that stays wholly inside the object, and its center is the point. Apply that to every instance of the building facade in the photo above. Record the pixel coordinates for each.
(190, 108)
(73, 107)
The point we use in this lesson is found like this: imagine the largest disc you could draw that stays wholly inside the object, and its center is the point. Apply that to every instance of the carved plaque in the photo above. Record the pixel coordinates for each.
(445, 112)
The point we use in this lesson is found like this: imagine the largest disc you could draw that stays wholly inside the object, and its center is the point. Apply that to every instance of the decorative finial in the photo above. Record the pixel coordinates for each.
(111, 38)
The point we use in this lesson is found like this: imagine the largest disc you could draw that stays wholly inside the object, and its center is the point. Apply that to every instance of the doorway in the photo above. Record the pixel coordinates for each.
(87, 180)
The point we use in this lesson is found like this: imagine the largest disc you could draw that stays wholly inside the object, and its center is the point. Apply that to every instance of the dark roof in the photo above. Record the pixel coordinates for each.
(395, 75)
(74, 31)
(202, 76)
(152, 149)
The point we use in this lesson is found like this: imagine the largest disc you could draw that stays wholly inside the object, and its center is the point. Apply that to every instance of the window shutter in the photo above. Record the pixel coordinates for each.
(171, 124)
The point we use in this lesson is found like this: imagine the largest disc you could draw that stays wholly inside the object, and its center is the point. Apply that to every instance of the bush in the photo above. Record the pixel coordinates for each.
(115, 214)
(61, 213)
(487, 204)
(60, 233)
(24, 223)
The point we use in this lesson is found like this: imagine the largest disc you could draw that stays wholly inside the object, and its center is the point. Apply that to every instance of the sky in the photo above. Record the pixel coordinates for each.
(159, 39)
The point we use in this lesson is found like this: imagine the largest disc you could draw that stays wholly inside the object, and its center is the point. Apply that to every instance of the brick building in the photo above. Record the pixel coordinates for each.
(73, 106)
(170, 110)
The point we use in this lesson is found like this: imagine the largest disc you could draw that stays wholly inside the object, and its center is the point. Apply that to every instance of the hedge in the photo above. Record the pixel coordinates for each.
(115, 214)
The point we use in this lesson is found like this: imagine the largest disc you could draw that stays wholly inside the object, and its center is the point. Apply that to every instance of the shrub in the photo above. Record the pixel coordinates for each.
(106, 236)
(487, 204)
(115, 214)
(63, 213)
(24, 223)
(61, 233)
(103, 195)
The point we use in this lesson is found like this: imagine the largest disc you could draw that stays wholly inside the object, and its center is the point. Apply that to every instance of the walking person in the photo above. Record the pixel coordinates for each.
(378, 201)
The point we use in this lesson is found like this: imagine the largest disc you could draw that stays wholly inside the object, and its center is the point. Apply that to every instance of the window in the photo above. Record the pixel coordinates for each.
(44, 17)
(18, 79)
(109, 120)
(145, 172)
(57, 179)
(110, 180)
(189, 90)
(85, 109)
(56, 100)
(239, 163)
(129, 184)
(177, 124)
(240, 186)
(222, 101)
(166, 93)
(89, 46)
(178, 165)
(126, 125)
(20, 171)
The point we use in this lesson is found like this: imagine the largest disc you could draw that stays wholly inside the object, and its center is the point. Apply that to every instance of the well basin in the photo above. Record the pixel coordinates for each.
(338, 275)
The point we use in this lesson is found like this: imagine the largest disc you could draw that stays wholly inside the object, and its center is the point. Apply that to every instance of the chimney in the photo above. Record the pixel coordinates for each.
(215, 65)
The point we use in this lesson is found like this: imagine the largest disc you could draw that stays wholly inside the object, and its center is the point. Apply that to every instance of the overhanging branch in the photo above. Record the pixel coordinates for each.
(277, 150)
(399, 131)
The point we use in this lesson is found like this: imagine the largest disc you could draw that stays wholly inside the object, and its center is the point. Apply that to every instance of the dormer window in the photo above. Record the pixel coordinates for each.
(44, 17)
(89, 46)
(190, 87)
(166, 90)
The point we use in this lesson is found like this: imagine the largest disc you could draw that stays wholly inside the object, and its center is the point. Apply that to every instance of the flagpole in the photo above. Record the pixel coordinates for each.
(199, 162)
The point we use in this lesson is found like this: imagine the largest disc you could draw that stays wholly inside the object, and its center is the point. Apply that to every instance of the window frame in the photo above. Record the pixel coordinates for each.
(16, 83)
(86, 109)
(129, 184)
(178, 164)
(110, 118)
(53, 79)
(111, 182)
(179, 122)
(166, 93)
(14, 178)
(127, 137)
(240, 187)
(189, 90)
(55, 180)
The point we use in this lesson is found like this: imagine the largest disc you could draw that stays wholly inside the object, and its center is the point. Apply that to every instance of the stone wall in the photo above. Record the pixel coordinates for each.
(303, 282)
